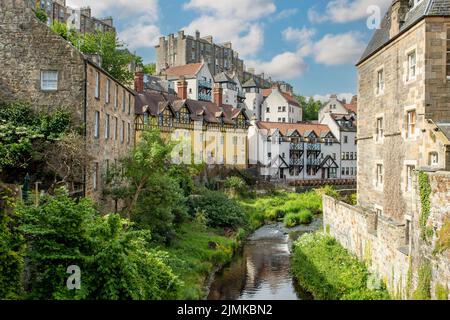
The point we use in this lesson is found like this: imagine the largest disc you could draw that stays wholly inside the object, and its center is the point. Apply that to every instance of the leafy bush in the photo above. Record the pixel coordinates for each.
(11, 248)
(116, 262)
(329, 272)
(236, 186)
(293, 219)
(41, 15)
(220, 210)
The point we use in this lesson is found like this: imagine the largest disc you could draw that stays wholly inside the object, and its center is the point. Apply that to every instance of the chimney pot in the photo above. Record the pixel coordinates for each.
(182, 88)
(218, 95)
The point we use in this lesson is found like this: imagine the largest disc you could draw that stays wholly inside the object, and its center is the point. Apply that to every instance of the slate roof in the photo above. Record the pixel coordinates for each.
(154, 103)
(425, 8)
(287, 96)
(223, 77)
(445, 128)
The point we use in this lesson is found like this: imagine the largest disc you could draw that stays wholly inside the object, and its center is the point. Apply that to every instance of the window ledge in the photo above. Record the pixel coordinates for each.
(404, 250)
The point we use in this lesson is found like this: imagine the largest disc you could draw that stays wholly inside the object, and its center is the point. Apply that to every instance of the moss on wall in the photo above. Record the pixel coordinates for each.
(442, 292)
(425, 191)
(443, 241)
(423, 291)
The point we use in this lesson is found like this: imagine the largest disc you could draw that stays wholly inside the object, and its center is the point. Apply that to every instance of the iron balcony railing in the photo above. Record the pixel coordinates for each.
(204, 84)
(297, 146)
(204, 96)
(296, 162)
(313, 162)
(314, 147)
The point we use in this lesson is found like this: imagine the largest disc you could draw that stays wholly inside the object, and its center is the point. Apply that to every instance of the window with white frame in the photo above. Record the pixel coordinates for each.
(128, 133)
(122, 132)
(107, 126)
(97, 124)
(49, 80)
(411, 65)
(123, 100)
(380, 81)
(97, 85)
(410, 123)
(95, 176)
(409, 177)
(379, 173)
(380, 129)
(116, 97)
(108, 91)
(433, 159)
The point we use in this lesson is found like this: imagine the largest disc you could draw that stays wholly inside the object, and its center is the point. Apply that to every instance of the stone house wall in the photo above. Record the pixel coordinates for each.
(385, 246)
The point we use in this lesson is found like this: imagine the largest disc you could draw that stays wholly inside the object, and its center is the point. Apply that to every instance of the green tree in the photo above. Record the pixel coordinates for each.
(149, 68)
(310, 108)
(41, 15)
(115, 261)
(11, 247)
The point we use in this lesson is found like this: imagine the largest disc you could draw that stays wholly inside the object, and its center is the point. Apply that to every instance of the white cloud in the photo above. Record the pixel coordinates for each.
(341, 96)
(138, 17)
(343, 11)
(284, 14)
(246, 10)
(236, 21)
(338, 49)
(287, 65)
(301, 36)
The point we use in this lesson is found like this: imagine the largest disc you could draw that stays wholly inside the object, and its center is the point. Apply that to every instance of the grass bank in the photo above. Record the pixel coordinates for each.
(196, 253)
(291, 208)
(330, 272)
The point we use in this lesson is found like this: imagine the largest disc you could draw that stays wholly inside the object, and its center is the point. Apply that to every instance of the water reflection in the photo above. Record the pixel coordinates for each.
(261, 271)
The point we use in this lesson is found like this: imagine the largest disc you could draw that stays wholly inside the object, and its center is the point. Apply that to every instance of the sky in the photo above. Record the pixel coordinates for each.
(312, 44)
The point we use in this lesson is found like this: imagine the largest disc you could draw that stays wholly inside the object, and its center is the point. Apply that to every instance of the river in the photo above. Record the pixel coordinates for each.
(262, 270)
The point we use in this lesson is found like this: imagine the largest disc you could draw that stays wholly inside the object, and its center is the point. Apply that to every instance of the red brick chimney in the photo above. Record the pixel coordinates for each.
(182, 89)
(139, 81)
(218, 95)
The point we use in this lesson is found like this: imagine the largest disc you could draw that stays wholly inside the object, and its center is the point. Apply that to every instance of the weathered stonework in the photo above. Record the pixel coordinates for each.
(385, 248)
(28, 47)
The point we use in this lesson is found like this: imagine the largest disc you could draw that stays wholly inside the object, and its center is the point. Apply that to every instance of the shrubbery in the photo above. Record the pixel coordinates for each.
(116, 262)
(219, 209)
(329, 272)
(293, 219)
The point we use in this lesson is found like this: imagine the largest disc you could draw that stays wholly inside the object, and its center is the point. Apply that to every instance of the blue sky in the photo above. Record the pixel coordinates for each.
(312, 44)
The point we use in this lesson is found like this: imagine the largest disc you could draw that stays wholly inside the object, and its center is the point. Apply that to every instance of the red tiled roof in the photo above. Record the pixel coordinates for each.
(287, 96)
(319, 129)
(187, 70)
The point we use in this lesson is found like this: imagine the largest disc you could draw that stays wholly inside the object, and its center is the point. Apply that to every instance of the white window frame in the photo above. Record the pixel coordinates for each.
(97, 124)
(411, 126)
(412, 65)
(380, 81)
(49, 83)
(107, 128)
(108, 91)
(409, 176)
(433, 159)
(379, 175)
(379, 134)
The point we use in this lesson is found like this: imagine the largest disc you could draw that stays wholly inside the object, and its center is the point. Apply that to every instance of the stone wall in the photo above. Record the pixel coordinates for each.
(27, 47)
(395, 251)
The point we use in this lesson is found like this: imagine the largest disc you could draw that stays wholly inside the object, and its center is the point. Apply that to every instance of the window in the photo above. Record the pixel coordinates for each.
(378, 214)
(123, 101)
(97, 124)
(410, 123)
(409, 177)
(334, 156)
(116, 97)
(107, 126)
(116, 124)
(279, 109)
(49, 80)
(347, 171)
(380, 129)
(433, 159)
(267, 119)
(379, 175)
(95, 176)
(347, 156)
(345, 139)
(122, 132)
(411, 65)
(284, 109)
(97, 85)
(269, 155)
(129, 133)
(448, 53)
(343, 171)
(129, 103)
(108, 87)
(284, 119)
(267, 110)
(380, 81)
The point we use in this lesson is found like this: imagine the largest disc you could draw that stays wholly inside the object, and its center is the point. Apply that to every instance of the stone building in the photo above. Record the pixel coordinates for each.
(403, 151)
(214, 133)
(48, 72)
(174, 51)
(79, 19)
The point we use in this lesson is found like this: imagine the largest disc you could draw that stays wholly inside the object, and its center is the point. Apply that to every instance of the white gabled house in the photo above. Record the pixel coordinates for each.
(280, 106)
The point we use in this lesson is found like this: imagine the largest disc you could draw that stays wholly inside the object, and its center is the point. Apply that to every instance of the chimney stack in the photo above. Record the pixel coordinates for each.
(218, 95)
(399, 9)
(139, 81)
(182, 88)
